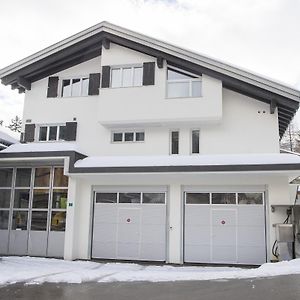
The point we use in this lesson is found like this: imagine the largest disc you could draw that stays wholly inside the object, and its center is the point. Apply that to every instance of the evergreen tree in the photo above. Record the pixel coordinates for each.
(15, 124)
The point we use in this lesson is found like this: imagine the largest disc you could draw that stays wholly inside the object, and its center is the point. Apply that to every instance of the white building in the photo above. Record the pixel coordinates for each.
(141, 150)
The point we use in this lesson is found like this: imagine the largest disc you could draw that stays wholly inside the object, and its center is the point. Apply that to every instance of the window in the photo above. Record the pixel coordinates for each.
(223, 198)
(51, 133)
(126, 76)
(129, 197)
(75, 87)
(250, 198)
(195, 141)
(182, 85)
(128, 136)
(154, 198)
(174, 142)
(197, 198)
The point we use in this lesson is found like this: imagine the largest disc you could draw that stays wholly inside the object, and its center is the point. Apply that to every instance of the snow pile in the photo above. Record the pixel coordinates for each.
(188, 160)
(38, 270)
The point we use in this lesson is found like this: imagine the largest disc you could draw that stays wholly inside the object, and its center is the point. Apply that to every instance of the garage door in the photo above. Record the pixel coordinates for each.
(224, 228)
(130, 225)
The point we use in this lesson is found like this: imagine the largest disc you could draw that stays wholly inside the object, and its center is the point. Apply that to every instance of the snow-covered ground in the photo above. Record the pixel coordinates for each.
(38, 270)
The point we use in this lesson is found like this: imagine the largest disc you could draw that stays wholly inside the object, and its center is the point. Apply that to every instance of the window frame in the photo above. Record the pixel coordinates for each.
(71, 78)
(122, 67)
(58, 125)
(191, 141)
(123, 136)
(171, 141)
(197, 78)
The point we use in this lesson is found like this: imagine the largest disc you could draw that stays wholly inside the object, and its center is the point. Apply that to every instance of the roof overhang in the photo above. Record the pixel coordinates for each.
(87, 44)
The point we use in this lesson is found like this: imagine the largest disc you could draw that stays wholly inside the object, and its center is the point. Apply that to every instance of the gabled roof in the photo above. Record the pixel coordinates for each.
(88, 43)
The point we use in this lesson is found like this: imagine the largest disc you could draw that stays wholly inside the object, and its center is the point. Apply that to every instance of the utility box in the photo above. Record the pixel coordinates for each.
(285, 240)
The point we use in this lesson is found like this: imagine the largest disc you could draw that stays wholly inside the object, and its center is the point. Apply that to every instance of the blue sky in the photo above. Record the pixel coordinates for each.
(262, 36)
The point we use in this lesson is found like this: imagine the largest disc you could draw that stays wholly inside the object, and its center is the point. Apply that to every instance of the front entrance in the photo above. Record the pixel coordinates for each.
(33, 211)
(224, 228)
(130, 225)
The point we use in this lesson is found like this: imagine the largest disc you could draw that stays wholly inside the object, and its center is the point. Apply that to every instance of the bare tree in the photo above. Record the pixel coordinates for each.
(15, 124)
(291, 138)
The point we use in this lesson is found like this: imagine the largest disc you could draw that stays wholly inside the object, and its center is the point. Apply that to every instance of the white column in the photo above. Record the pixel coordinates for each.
(69, 250)
(175, 225)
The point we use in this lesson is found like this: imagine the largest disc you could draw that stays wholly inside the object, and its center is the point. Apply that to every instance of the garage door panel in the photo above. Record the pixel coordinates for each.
(104, 249)
(251, 255)
(4, 237)
(224, 254)
(153, 234)
(197, 253)
(153, 215)
(105, 213)
(105, 232)
(128, 250)
(129, 233)
(197, 235)
(250, 215)
(18, 241)
(153, 251)
(129, 216)
(197, 215)
(224, 235)
(250, 236)
(223, 217)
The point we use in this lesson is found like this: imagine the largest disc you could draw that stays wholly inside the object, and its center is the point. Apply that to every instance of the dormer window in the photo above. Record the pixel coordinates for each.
(182, 84)
(75, 87)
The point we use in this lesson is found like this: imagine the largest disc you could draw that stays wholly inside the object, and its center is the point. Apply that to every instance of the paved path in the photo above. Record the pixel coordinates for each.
(275, 288)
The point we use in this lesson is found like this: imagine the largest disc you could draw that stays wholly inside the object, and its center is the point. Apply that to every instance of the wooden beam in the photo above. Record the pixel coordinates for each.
(160, 62)
(273, 106)
(106, 43)
(21, 90)
(14, 86)
(24, 83)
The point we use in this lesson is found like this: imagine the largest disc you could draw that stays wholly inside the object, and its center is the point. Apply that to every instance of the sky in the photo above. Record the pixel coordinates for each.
(262, 36)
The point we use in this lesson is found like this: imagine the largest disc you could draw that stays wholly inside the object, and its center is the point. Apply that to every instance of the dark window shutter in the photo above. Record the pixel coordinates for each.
(148, 73)
(71, 130)
(52, 87)
(105, 77)
(94, 84)
(29, 133)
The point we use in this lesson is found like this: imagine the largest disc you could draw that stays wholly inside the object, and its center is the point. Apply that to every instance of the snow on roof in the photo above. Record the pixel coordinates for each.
(42, 147)
(191, 160)
(9, 136)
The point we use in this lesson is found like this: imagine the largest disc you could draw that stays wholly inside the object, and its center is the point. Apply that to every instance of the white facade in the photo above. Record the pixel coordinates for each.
(229, 123)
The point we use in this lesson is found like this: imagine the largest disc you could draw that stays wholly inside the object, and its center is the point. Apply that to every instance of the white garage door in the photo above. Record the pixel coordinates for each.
(224, 228)
(130, 225)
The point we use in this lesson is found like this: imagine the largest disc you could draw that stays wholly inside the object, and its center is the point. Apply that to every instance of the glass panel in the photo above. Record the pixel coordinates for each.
(197, 198)
(52, 133)
(118, 137)
(129, 136)
(6, 177)
(23, 177)
(178, 89)
(21, 198)
(5, 198)
(60, 199)
(223, 198)
(62, 132)
(106, 197)
(154, 198)
(58, 221)
(19, 220)
(42, 177)
(196, 88)
(175, 142)
(39, 221)
(127, 77)
(43, 133)
(139, 136)
(250, 198)
(85, 87)
(138, 76)
(195, 141)
(76, 84)
(40, 199)
(4, 219)
(66, 88)
(176, 75)
(130, 198)
(115, 77)
(60, 180)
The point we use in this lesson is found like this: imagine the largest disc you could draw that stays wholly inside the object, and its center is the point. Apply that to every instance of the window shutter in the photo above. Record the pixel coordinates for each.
(105, 76)
(148, 73)
(71, 130)
(52, 87)
(94, 84)
(29, 133)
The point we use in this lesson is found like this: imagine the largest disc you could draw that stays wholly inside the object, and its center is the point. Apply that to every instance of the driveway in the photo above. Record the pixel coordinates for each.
(273, 288)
